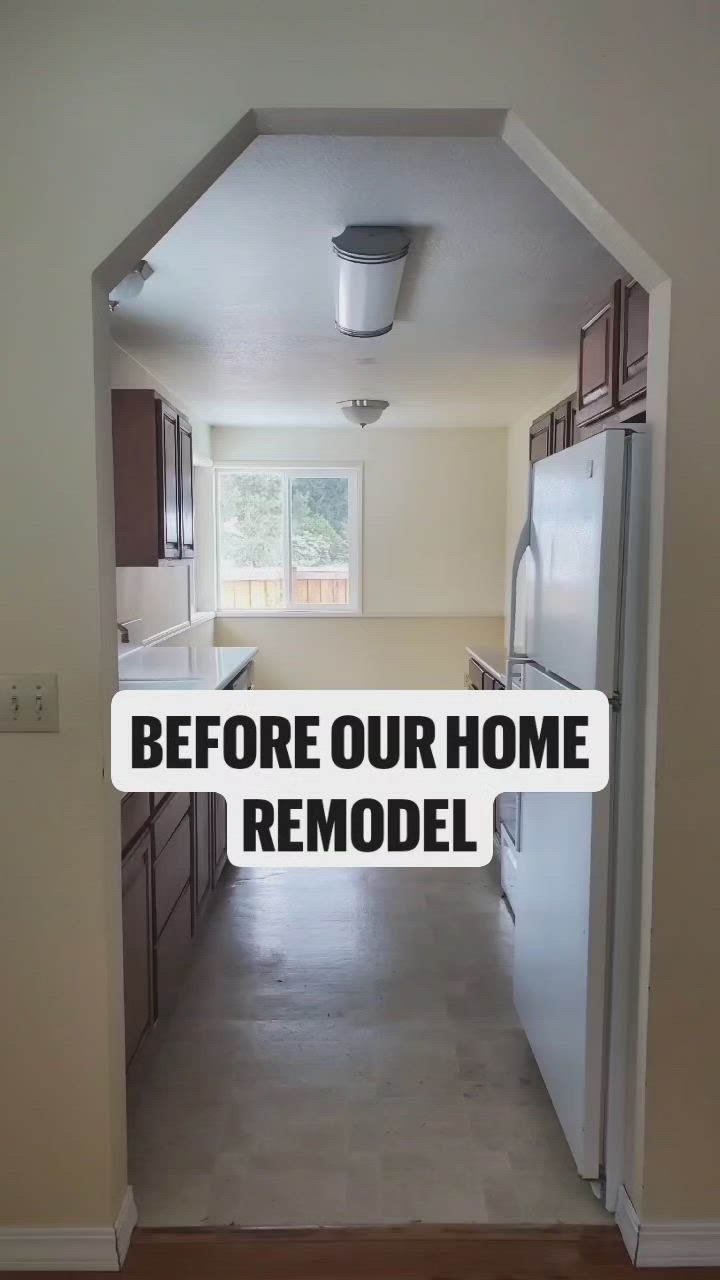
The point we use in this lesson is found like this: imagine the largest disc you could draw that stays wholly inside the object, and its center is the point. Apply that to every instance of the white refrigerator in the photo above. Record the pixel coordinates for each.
(582, 557)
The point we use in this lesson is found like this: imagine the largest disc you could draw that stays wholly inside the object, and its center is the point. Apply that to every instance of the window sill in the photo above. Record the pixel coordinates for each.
(289, 613)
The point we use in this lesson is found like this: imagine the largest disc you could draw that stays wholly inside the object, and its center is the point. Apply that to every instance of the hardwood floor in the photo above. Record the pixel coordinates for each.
(385, 1253)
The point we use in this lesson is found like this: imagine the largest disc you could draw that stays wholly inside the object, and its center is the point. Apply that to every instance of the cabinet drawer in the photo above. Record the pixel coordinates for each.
(134, 813)
(137, 946)
(167, 818)
(172, 953)
(172, 872)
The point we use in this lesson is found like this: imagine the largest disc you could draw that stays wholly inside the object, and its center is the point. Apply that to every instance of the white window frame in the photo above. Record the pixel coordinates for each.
(353, 473)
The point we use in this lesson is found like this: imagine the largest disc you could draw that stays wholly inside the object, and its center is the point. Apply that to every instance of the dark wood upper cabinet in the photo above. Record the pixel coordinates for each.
(152, 458)
(561, 427)
(540, 437)
(634, 316)
(187, 507)
(612, 373)
(552, 431)
(169, 474)
(598, 367)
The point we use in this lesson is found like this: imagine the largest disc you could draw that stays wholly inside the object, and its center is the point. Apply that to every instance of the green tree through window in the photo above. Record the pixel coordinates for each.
(285, 538)
(320, 522)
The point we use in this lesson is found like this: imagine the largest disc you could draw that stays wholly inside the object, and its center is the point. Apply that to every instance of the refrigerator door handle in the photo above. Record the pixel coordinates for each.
(514, 659)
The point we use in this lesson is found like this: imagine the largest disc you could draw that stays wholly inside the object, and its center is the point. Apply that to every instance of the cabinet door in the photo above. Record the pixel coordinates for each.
(219, 837)
(561, 426)
(168, 816)
(540, 437)
(598, 369)
(187, 511)
(634, 316)
(137, 946)
(172, 953)
(172, 871)
(134, 813)
(203, 850)
(169, 482)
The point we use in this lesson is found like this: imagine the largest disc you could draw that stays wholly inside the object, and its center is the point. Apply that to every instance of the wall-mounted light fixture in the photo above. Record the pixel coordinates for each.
(372, 260)
(131, 284)
(362, 412)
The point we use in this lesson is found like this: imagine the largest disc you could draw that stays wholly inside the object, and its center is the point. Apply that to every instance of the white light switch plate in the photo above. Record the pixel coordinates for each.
(29, 704)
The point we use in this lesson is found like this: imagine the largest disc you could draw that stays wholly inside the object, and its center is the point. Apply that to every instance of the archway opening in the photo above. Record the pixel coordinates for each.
(456, 125)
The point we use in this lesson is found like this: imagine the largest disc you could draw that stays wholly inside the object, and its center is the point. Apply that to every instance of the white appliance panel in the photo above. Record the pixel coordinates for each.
(575, 543)
(560, 950)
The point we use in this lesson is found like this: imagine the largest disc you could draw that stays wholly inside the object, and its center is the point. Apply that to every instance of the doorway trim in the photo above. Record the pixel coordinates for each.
(482, 123)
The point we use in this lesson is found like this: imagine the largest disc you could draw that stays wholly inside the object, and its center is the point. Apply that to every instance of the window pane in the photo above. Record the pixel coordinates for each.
(320, 541)
(250, 521)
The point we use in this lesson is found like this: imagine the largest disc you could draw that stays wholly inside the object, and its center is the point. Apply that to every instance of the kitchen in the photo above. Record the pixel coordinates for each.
(170, 582)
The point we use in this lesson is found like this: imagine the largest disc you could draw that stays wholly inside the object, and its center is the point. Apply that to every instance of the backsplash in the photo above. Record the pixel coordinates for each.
(160, 597)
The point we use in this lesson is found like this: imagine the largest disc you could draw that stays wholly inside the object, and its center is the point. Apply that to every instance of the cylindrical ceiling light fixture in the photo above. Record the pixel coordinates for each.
(371, 263)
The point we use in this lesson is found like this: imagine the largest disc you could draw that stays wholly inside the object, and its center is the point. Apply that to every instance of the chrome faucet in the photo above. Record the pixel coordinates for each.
(124, 633)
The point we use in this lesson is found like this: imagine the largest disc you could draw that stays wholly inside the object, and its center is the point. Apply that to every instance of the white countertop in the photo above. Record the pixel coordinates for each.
(183, 666)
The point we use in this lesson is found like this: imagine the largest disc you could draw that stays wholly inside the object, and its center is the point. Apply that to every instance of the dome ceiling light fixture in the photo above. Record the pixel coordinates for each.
(363, 412)
(130, 285)
(372, 260)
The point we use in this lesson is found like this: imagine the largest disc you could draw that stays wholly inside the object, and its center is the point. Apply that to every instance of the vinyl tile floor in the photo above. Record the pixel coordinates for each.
(345, 1050)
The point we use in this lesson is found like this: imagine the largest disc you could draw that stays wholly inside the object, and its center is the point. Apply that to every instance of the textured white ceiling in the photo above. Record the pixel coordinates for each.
(238, 318)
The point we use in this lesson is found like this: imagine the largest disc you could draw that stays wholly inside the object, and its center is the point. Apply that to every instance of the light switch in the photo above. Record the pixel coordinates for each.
(29, 704)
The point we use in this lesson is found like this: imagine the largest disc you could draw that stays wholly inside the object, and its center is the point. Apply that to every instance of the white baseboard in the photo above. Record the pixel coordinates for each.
(69, 1248)
(667, 1244)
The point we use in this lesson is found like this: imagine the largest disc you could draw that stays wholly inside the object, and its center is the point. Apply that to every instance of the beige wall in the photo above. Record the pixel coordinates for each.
(433, 545)
(433, 509)
(157, 596)
(360, 653)
(127, 372)
(104, 109)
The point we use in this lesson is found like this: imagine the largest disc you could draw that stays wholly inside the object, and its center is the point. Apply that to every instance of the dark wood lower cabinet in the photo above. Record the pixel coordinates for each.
(167, 816)
(172, 952)
(175, 850)
(203, 880)
(220, 838)
(137, 945)
(172, 871)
